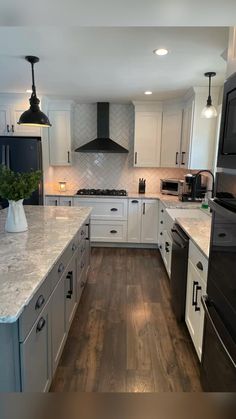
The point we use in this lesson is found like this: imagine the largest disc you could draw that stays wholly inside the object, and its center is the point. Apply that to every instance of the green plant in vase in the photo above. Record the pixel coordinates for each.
(15, 187)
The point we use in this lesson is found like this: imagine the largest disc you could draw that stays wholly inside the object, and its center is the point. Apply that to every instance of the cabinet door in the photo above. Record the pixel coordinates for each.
(35, 354)
(70, 293)
(60, 138)
(4, 120)
(16, 111)
(147, 139)
(134, 220)
(52, 201)
(167, 251)
(58, 322)
(186, 135)
(171, 139)
(66, 202)
(87, 249)
(149, 223)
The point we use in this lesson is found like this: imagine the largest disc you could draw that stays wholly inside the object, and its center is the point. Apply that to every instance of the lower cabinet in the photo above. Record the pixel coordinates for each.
(143, 221)
(167, 251)
(58, 322)
(134, 220)
(70, 293)
(35, 352)
(194, 314)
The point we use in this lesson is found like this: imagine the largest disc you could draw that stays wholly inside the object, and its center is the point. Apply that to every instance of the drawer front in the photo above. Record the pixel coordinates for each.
(104, 208)
(82, 233)
(66, 201)
(60, 266)
(198, 260)
(34, 308)
(52, 201)
(109, 232)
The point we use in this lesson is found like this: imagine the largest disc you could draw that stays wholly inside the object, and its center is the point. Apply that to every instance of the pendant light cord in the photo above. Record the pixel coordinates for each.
(33, 81)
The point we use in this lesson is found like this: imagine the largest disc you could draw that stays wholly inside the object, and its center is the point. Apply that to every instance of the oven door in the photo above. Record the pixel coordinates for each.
(218, 367)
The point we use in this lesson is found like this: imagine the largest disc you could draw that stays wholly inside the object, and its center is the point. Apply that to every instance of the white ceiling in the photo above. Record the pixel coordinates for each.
(114, 64)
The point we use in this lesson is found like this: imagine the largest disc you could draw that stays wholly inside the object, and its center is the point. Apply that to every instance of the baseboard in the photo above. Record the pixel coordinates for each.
(125, 245)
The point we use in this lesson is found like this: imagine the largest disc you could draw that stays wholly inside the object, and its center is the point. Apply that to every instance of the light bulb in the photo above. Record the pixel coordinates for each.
(209, 112)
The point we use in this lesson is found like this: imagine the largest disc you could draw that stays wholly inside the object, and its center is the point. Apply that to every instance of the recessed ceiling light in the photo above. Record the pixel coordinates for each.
(148, 92)
(161, 51)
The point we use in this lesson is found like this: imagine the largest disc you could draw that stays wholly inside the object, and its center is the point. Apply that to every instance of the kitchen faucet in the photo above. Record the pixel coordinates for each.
(213, 181)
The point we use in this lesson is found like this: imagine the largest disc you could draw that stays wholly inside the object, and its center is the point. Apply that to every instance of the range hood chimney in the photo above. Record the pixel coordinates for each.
(103, 143)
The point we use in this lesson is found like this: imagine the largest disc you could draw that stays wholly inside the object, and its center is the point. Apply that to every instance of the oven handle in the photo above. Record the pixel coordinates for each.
(224, 212)
(204, 300)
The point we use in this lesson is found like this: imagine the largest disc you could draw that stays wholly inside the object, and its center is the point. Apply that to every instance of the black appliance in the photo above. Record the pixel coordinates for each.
(22, 154)
(218, 368)
(192, 188)
(142, 186)
(105, 192)
(103, 142)
(179, 269)
(227, 143)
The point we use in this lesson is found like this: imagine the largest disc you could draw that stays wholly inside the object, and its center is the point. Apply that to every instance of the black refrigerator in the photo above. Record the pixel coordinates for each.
(218, 365)
(22, 154)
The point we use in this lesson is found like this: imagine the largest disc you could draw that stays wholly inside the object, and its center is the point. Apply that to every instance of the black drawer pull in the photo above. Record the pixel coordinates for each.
(161, 234)
(8, 128)
(113, 231)
(61, 268)
(134, 201)
(40, 301)
(194, 303)
(40, 325)
(114, 209)
(200, 266)
(162, 210)
(161, 222)
(73, 247)
(222, 235)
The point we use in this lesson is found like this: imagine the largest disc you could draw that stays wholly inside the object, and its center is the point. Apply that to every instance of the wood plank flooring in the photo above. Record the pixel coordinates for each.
(124, 337)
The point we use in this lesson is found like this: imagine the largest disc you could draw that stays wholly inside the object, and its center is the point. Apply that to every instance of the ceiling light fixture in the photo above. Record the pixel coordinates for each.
(148, 92)
(209, 111)
(34, 116)
(161, 51)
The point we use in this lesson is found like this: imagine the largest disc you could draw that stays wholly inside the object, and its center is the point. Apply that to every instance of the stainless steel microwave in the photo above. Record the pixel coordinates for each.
(171, 186)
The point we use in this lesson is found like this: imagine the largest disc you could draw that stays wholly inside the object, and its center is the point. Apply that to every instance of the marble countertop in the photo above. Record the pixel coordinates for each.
(199, 232)
(27, 258)
(170, 201)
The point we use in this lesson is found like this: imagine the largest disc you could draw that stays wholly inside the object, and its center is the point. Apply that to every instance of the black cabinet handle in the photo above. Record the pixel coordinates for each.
(135, 157)
(8, 128)
(198, 288)
(113, 209)
(176, 157)
(144, 208)
(161, 234)
(161, 222)
(68, 156)
(70, 291)
(73, 247)
(195, 283)
(61, 268)
(70, 203)
(40, 325)
(134, 201)
(199, 266)
(56, 202)
(182, 161)
(162, 210)
(12, 128)
(113, 231)
(222, 235)
(160, 247)
(40, 301)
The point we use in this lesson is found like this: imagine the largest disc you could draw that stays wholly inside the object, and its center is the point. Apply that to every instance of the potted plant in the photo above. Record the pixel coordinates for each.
(15, 187)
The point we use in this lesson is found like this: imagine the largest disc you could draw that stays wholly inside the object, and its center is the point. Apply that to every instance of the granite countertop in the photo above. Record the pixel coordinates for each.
(26, 258)
(199, 232)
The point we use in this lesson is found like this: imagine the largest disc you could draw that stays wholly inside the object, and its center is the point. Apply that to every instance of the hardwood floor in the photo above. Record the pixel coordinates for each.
(124, 337)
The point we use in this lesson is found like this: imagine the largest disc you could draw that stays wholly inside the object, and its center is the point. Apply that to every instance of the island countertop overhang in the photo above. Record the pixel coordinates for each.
(27, 258)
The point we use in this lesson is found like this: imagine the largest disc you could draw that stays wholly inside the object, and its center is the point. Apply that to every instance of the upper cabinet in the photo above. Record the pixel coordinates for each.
(59, 133)
(171, 138)
(147, 134)
(11, 108)
(231, 58)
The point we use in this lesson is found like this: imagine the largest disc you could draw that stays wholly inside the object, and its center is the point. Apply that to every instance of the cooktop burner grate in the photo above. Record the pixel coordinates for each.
(105, 192)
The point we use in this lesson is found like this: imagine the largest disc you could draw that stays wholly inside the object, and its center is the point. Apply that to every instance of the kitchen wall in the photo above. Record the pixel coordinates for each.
(107, 170)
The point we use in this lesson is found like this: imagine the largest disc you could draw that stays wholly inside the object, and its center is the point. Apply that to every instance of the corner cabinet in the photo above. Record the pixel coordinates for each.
(147, 135)
(59, 134)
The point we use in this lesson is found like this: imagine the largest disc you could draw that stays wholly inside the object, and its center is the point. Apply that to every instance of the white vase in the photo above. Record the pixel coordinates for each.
(16, 220)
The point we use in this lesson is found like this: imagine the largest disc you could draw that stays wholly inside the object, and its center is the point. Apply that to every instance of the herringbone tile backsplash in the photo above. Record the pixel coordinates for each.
(107, 170)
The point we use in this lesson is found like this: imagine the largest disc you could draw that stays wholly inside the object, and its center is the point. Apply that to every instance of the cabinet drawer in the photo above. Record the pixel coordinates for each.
(61, 264)
(198, 260)
(52, 201)
(106, 231)
(104, 208)
(66, 201)
(34, 308)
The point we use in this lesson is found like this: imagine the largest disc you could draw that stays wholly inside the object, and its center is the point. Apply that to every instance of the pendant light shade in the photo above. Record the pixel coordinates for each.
(34, 116)
(209, 111)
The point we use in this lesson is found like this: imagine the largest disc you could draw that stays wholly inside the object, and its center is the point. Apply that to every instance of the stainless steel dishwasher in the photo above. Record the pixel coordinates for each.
(179, 270)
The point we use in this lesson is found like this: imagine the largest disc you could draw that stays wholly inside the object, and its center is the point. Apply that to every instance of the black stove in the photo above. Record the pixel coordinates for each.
(105, 192)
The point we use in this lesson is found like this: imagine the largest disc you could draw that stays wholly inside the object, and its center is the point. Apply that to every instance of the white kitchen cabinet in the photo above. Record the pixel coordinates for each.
(161, 228)
(65, 201)
(52, 200)
(147, 135)
(167, 251)
(58, 322)
(186, 135)
(60, 137)
(134, 220)
(171, 138)
(108, 231)
(149, 221)
(231, 53)
(196, 287)
(70, 293)
(11, 108)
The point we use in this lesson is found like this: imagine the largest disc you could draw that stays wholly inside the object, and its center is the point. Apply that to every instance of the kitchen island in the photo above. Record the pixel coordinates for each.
(42, 275)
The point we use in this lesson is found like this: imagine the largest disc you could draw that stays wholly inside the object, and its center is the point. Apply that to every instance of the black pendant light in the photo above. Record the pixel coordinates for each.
(209, 111)
(34, 116)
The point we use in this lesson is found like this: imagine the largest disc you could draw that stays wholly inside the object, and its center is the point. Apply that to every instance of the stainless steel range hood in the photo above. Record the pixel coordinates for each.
(102, 144)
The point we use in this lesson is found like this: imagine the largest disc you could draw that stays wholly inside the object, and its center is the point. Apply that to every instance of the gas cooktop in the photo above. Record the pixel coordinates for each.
(108, 192)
